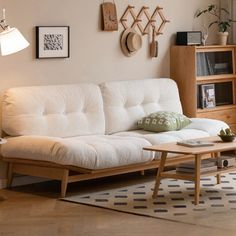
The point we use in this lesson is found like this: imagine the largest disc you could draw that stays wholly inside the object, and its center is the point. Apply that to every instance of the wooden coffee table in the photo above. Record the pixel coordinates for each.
(189, 154)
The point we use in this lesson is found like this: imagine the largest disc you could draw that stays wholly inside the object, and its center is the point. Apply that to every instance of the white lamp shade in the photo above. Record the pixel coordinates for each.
(11, 41)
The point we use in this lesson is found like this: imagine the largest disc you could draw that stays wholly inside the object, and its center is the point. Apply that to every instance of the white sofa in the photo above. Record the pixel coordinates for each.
(83, 131)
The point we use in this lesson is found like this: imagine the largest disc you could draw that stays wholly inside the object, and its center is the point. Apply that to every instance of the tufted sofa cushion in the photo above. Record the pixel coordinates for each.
(60, 111)
(126, 102)
(90, 152)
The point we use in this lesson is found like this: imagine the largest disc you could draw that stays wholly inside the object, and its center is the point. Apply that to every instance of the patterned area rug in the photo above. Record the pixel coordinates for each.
(174, 201)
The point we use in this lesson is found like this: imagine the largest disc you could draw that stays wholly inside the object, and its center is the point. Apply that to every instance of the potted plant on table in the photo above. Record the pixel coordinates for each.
(223, 23)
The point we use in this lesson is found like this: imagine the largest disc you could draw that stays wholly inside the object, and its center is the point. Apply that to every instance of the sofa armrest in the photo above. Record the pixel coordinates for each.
(211, 126)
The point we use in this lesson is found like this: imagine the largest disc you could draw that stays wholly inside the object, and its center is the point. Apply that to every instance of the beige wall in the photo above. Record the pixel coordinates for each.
(95, 55)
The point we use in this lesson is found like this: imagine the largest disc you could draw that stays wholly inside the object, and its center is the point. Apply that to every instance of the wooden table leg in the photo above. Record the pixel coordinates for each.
(218, 177)
(197, 178)
(9, 174)
(158, 177)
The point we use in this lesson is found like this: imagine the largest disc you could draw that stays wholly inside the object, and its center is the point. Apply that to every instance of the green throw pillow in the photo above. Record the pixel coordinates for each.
(163, 121)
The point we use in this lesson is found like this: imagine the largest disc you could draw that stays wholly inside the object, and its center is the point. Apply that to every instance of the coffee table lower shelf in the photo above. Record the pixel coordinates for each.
(196, 154)
(173, 174)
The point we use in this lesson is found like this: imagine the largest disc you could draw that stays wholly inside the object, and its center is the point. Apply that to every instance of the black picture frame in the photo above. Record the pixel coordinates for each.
(208, 99)
(52, 42)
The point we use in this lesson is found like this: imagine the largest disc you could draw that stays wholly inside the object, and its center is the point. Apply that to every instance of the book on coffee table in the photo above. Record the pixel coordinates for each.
(195, 143)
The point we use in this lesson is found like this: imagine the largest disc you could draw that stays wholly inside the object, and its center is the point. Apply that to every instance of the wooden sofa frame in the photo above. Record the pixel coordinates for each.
(70, 174)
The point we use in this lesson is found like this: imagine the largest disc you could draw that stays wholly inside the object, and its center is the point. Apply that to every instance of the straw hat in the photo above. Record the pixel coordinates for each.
(130, 42)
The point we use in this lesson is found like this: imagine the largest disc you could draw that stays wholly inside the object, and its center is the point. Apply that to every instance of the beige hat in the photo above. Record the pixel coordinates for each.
(130, 42)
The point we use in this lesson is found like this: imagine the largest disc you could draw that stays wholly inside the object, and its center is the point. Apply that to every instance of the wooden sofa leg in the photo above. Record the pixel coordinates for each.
(9, 175)
(64, 183)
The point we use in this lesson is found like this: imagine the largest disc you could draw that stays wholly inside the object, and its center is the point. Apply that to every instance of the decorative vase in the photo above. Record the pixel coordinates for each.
(222, 38)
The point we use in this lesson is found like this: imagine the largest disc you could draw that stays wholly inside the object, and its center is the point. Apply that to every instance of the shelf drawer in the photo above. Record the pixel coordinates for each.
(228, 116)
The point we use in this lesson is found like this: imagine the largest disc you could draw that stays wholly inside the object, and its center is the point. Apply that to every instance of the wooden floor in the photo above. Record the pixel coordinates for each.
(35, 210)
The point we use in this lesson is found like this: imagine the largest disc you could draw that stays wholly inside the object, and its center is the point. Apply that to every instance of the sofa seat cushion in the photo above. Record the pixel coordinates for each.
(164, 137)
(90, 152)
(198, 128)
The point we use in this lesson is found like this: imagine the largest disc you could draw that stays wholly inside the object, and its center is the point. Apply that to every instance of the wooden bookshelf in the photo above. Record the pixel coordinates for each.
(194, 66)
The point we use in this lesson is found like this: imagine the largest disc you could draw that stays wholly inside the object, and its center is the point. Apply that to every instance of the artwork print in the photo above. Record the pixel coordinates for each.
(52, 41)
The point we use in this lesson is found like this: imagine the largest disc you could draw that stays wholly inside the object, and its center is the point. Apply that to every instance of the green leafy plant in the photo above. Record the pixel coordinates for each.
(226, 132)
(223, 23)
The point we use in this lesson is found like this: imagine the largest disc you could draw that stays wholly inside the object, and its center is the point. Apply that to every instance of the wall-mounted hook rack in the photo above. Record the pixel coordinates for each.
(152, 27)
(137, 19)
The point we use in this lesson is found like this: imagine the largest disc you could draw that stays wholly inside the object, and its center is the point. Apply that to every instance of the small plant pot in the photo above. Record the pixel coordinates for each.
(227, 138)
(222, 38)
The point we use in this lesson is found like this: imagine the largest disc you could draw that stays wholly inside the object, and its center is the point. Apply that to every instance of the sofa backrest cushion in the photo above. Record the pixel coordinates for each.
(126, 102)
(57, 110)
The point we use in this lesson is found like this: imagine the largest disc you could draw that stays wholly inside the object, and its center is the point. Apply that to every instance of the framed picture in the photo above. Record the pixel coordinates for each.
(52, 41)
(208, 95)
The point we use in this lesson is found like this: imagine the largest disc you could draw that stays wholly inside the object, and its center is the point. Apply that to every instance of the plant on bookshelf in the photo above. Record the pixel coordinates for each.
(217, 12)
(221, 19)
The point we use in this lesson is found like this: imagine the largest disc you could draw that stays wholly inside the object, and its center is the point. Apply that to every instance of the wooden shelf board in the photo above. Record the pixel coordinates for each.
(217, 108)
(215, 48)
(216, 78)
(173, 174)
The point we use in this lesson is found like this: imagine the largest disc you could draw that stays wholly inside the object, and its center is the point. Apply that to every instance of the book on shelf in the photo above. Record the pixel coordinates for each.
(206, 166)
(207, 96)
(204, 163)
(221, 68)
(204, 65)
(195, 143)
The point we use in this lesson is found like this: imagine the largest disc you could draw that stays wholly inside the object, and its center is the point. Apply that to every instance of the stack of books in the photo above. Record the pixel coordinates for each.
(204, 65)
(206, 166)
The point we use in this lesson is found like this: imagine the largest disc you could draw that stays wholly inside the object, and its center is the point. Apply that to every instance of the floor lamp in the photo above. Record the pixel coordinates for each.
(11, 41)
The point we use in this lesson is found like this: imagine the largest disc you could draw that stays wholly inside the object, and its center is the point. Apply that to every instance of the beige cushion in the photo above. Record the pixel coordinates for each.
(126, 102)
(164, 121)
(60, 110)
(90, 152)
